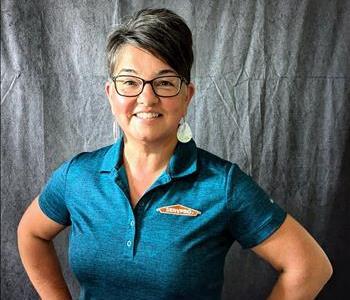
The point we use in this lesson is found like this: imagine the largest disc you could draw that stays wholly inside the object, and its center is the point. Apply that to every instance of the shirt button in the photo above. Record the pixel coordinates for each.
(128, 243)
(132, 223)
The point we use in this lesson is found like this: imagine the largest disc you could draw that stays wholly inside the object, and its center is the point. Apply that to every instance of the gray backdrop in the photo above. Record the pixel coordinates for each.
(272, 94)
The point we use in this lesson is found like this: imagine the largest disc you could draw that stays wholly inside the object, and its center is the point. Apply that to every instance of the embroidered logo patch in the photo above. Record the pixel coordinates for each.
(179, 210)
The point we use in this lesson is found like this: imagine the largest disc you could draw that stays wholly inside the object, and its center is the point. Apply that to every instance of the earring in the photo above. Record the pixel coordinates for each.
(184, 132)
(116, 130)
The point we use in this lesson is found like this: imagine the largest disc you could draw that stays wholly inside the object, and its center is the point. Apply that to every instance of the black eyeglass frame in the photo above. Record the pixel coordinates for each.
(144, 82)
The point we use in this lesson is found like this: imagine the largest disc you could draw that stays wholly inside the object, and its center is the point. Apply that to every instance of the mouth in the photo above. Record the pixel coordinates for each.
(147, 115)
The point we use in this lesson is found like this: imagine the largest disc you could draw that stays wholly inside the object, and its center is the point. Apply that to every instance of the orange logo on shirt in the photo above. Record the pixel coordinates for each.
(179, 210)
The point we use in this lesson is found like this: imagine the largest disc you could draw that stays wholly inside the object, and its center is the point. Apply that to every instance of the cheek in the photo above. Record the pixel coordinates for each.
(176, 108)
(122, 106)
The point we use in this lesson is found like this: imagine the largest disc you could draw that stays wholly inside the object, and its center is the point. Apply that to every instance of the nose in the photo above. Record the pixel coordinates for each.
(147, 97)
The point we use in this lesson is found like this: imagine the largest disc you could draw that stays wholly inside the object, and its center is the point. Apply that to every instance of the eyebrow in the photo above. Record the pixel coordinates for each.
(166, 71)
(127, 70)
(161, 72)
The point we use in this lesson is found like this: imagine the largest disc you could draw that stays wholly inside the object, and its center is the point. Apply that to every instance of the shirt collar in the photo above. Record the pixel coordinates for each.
(183, 162)
(113, 157)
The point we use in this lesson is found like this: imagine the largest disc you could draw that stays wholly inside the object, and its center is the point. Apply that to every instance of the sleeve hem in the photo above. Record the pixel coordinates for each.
(51, 215)
(264, 232)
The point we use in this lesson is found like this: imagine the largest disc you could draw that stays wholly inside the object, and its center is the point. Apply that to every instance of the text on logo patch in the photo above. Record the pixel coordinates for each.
(179, 210)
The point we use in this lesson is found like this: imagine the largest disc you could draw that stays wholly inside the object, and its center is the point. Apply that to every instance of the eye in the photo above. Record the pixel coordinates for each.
(164, 83)
(129, 82)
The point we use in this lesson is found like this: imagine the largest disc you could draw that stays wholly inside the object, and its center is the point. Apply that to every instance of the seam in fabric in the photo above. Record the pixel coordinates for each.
(228, 209)
(268, 223)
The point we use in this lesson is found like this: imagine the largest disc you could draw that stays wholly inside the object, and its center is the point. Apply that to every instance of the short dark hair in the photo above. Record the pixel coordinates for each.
(160, 32)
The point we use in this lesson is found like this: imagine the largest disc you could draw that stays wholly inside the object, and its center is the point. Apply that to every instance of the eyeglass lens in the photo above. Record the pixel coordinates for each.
(165, 86)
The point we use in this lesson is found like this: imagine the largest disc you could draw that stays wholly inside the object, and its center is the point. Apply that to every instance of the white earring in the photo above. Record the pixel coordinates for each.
(116, 130)
(184, 132)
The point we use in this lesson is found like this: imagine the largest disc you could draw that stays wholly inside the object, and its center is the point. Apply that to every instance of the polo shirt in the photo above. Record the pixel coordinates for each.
(173, 244)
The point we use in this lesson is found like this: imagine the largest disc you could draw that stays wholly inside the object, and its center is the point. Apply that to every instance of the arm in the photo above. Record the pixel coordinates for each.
(35, 233)
(304, 267)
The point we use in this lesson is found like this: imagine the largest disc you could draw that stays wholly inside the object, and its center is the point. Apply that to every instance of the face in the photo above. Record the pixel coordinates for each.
(147, 118)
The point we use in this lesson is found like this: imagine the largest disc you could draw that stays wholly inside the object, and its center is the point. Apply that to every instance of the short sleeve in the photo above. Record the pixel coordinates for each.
(254, 216)
(52, 198)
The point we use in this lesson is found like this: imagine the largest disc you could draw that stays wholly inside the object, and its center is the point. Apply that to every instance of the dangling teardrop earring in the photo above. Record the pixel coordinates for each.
(184, 132)
(116, 130)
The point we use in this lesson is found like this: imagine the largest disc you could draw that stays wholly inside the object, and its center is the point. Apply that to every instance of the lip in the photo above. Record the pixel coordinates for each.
(147, 112)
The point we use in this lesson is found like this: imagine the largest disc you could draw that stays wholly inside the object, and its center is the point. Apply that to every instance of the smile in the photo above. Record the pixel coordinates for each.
(147, 115)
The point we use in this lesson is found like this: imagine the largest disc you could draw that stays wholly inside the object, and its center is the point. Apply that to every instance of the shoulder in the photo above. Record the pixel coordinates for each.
(217, 170)
(229, 173)
(88, 161)
(211, 161)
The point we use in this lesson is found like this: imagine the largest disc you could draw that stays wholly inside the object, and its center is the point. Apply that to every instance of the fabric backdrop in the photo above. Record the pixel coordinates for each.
(272, 94)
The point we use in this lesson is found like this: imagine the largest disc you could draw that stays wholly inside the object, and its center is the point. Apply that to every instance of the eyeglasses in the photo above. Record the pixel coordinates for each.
(163, 86)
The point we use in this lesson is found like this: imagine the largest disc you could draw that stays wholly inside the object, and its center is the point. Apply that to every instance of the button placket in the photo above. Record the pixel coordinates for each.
(130, 237)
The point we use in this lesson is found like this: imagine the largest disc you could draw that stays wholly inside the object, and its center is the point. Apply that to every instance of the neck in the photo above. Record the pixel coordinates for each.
(144, 157)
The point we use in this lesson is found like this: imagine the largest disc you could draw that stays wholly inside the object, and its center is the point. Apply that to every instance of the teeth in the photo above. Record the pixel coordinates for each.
(144, 115)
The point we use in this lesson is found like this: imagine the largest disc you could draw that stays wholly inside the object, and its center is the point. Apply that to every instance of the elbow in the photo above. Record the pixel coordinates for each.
(21, 233)
(328, 270)
(324, 269)
(22, 227)
(318, 269)
(315, 276)
(307, 278)
(321, 275)
(321, 271)
(19, 229)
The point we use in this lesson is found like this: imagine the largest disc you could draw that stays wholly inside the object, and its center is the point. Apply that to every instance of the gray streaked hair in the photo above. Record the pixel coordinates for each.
(159, 31)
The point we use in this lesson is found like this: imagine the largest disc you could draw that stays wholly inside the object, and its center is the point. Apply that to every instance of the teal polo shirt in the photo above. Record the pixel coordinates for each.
(173, 244)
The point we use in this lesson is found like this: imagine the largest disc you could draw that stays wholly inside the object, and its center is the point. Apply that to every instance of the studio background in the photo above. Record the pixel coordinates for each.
(272, 94)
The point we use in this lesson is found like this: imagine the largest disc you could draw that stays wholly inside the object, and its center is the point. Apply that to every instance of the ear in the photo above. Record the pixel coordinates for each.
(109, 89)
(189, 95)
(190, 92)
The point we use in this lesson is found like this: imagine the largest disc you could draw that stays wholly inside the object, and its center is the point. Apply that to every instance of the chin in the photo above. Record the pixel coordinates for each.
(153, 138)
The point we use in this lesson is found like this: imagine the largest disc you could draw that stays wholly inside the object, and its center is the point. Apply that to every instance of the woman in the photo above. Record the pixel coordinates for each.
(153, 216)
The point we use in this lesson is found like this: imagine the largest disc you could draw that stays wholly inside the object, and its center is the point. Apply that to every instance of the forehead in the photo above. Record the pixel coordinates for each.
(132, 59)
